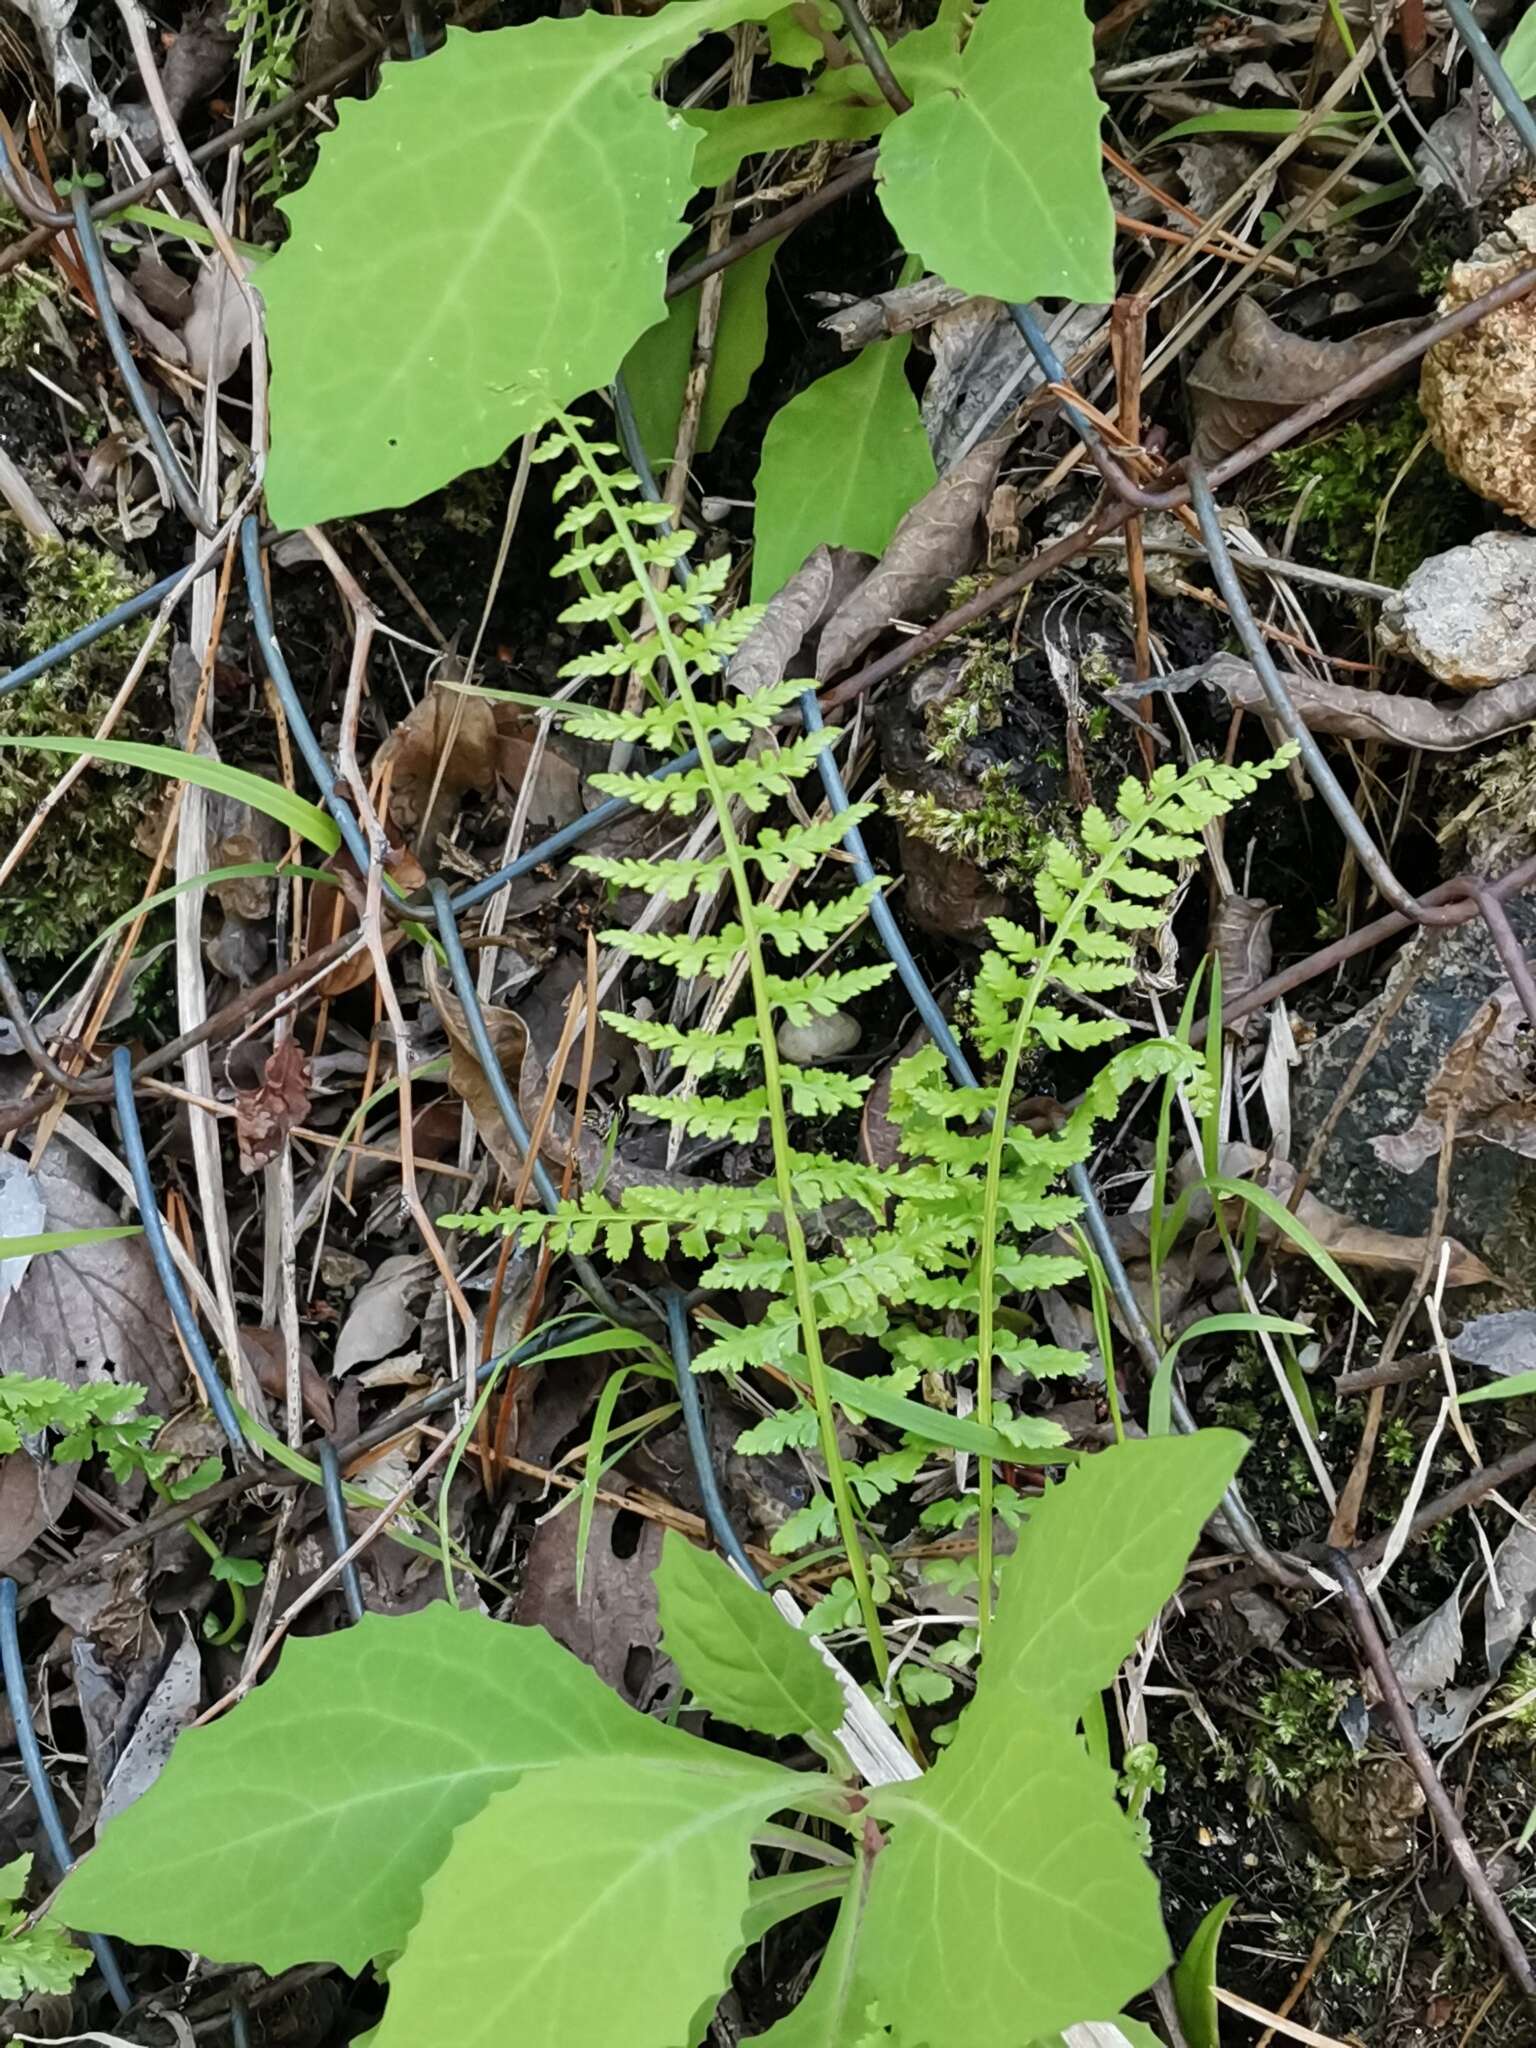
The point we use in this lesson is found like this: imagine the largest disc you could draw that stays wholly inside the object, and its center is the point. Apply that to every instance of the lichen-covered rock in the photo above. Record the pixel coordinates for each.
(1469, 615)
(1478, 389)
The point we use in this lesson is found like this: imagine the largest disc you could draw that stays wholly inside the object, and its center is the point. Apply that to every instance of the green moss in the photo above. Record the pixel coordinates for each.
(83, 869)
(1341, 480)
(19, 324)
(1298, 1742)
(1003, 834)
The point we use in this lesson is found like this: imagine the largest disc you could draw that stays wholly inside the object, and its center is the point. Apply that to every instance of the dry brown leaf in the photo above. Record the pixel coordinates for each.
(556, 798)
(441, 749)
(97, 1309)
(764, 657)
(1401, 721)
(1351, 1243)
(527, 1075)
(332, 915)
(264, 1350)
(937, 540)
(615, 1626)
(1486, 1075)
(264, 1115)
(1240, 936)
(1254, 373)
(33, 1494)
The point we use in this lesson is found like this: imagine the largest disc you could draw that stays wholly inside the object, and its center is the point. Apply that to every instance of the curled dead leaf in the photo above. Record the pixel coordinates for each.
(1254, 373)
(937, 540)
(1486, 1076)
(1240, 937)
(332, 912)
(442, 749)
(265, 1114)
(264, 1351)
(1400, 720)
(1360, 1245)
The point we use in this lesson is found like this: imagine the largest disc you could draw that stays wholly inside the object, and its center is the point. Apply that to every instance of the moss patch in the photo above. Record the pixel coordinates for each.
(1341, 480)
(83, 869)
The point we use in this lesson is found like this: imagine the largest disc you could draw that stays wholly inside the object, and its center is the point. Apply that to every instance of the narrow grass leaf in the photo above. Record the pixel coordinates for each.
(270, 798)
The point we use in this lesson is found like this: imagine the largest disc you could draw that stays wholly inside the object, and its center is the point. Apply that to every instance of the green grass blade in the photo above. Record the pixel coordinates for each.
(299, 815)
(63, 1240)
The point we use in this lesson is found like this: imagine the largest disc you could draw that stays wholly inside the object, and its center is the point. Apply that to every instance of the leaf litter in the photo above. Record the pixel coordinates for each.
(309, 1253)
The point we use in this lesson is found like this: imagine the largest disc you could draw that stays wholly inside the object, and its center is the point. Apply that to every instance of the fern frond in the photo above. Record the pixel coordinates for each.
(754, 782)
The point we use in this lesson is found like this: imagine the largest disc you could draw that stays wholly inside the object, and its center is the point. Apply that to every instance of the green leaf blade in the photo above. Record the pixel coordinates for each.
(841, 463)
(1049, 1911)
(435, 297)
(1019, 139)
(601, 1901)
(335, 1788)
(1096, 1559)
(271, 798)
(735, 1650)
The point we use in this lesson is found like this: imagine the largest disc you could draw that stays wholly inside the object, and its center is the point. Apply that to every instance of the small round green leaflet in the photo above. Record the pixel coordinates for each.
(735, 1650)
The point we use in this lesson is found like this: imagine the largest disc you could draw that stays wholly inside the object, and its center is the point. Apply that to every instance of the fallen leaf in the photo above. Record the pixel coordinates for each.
(1514, 1566)
(614, 1627)
(264, 1115)
(1425, 1656)
(1241, 939)
(1445, 1719)
(1501, 1343)
(96, 1311)
(1351, 1243)
(1487, 1077)
(1398, 719)
(137, 315)
(264, 1349)
(381, 1320)
(221, 315)
(936, 541)
(332, 913)
(22, 1214)
(556, 796)
(1254, 373)
(33, 1494)
(788, 619)
(171, 1707)
(443, 748)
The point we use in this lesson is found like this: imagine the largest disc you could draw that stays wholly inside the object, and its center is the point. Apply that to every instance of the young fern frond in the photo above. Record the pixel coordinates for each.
(930, 1257)
(695, 644)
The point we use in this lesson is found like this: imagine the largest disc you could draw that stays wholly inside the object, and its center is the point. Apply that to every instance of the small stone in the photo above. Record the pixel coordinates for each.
(823, 1039)
(1469, 615)
(1365, 1813)
(1478, 388)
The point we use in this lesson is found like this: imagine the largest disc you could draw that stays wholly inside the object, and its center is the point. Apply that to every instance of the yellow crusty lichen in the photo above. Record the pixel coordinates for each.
(1478, 388)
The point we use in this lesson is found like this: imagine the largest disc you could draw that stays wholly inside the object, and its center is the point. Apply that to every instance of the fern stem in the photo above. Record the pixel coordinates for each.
(778, 1121)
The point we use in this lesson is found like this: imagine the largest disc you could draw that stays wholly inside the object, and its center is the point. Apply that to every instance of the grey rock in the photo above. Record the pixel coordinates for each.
(1492, 1191)
(822, 1039)
(1469, 615)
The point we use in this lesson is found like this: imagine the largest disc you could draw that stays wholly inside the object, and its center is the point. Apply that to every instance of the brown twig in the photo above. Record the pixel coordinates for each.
(1446, 1818)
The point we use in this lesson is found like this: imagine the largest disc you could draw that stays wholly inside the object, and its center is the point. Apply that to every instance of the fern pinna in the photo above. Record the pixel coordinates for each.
(942, 1257)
